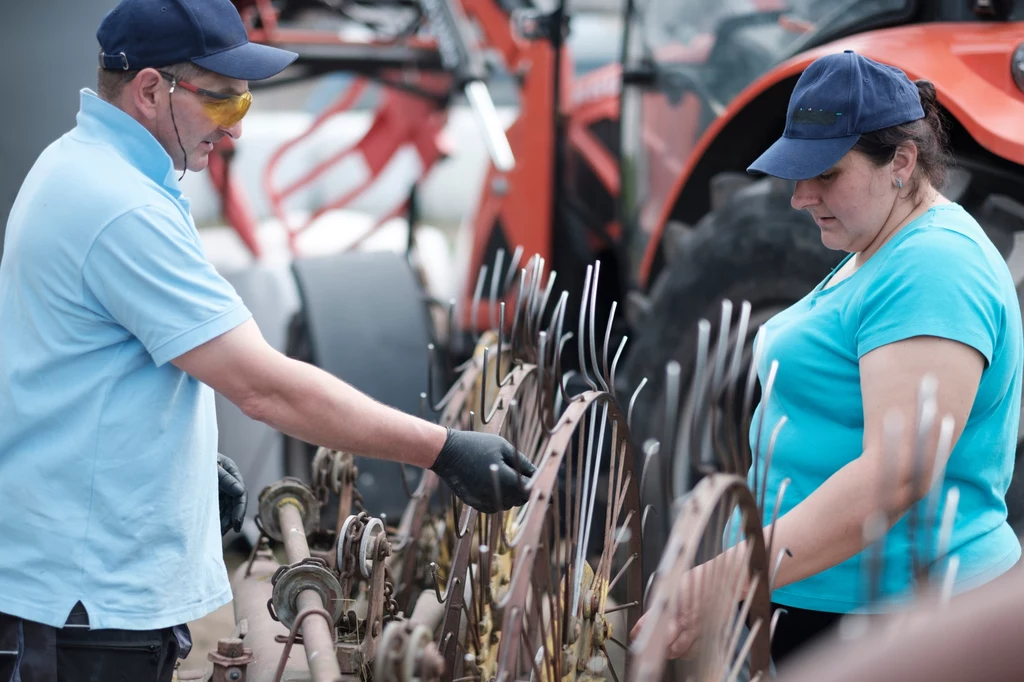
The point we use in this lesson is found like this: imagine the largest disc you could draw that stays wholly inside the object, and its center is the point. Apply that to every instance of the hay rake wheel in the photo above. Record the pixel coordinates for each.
(556, 612)
(731, 595)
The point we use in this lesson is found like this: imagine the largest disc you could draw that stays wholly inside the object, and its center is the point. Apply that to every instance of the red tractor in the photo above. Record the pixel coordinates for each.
(641, 165)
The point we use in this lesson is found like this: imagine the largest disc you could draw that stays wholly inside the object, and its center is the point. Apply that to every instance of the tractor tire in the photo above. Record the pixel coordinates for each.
(753, 246)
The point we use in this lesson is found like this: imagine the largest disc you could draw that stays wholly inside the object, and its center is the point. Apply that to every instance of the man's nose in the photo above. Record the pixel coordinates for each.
(234, 132)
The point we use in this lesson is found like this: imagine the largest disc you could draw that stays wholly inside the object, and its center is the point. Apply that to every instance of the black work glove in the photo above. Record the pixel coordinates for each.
(464, 464)
(233, 496)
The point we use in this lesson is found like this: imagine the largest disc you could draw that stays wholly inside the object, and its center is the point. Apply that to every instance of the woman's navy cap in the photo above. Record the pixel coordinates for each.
(139, 34)
(838, 98)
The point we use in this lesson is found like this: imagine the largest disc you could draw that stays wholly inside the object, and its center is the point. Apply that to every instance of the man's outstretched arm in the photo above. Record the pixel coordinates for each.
(312, 405)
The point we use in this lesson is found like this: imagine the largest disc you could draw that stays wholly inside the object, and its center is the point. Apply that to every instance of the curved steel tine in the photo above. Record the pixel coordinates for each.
(513, 415)
(643, 519)
(542, 342)
(722, 348)
(632, 402)
(651, 448)
(546, 297)
(451, 332)
(582, 326)
(514, 339)
(463, 527)
(755, 460)
(499, 259)
(775, 621)
(775, 514)
(452, 582)
(608, 385)
(615, 363)
(483, 389)
(748, 393)
(672, 389)
(499, 381)
(695, 425)
(477, 294)
(768, 464)
(778, 564)
(927, 411)
(438, 406)
(513, 265)
(735, 454)
(500, 516)
(535, 293)
(592, 328)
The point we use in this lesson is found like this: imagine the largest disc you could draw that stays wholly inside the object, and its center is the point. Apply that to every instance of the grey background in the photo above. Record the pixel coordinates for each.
(48, 50)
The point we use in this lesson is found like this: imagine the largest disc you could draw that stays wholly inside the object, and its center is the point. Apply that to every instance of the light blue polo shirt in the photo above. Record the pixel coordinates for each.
(108, 485)
(938, 276)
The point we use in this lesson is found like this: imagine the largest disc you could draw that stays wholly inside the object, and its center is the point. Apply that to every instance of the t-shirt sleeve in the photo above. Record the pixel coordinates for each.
(148, 270)
(936, 282)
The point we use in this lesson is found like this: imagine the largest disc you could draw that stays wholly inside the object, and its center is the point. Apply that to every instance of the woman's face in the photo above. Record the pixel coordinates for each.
(850, 202)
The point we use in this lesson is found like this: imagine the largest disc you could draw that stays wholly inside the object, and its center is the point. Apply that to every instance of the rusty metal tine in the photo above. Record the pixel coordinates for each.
(622, 571)
(513, 416)
(632, 402)
(756, 455)
(592, 328)
(763, 492)
(581, 338)
(477, 294)
(672, 388)
(608, 384)
(499, 259)
(514, 338)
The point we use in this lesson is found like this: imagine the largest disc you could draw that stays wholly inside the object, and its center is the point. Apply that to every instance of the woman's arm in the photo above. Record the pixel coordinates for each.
(826, 528)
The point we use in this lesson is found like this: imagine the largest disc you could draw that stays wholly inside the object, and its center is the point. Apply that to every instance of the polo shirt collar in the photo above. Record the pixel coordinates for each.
(102, 122)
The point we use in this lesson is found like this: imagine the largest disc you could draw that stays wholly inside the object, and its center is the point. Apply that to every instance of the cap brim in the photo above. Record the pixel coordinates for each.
(792, 158)
(248, 62)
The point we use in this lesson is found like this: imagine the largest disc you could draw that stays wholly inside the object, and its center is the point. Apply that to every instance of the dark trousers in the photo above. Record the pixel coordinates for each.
(797, 628)
(33, 652)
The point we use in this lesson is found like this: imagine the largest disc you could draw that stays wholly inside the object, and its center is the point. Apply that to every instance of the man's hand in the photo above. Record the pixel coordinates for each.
(465, 465)
(233, 496)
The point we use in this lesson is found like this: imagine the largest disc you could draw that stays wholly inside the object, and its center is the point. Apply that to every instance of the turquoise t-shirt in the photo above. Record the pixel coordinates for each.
(938, 276)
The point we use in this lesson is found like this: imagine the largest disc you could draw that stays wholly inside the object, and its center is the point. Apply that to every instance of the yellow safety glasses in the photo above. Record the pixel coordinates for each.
(223, 109)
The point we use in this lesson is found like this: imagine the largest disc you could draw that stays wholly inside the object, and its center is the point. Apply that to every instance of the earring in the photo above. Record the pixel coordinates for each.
(899, 183)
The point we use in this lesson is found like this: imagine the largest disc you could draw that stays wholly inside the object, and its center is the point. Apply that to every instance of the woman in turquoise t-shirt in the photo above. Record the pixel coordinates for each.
(923, 292)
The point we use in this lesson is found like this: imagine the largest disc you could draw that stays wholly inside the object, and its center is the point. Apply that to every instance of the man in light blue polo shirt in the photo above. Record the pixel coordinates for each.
(117, 333)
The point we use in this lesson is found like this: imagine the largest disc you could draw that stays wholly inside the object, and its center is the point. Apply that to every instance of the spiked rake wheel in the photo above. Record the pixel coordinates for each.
(557, 614)
(725, 595)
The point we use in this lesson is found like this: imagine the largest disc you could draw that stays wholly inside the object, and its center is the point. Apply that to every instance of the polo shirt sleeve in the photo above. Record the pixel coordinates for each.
(148, 270)
(936, 282)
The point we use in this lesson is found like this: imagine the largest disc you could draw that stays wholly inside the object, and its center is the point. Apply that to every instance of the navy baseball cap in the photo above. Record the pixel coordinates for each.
(838, 98)
(139, 34)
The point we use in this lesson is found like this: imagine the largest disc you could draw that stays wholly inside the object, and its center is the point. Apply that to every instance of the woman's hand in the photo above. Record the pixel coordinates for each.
(681, 621)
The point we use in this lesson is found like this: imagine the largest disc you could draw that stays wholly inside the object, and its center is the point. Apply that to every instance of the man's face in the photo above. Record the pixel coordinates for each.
(196, 128)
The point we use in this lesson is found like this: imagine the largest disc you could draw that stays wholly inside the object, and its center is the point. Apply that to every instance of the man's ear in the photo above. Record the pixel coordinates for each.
(146, 92)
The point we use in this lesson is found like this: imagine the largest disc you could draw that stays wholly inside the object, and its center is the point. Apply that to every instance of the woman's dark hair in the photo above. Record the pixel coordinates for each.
(928, 134)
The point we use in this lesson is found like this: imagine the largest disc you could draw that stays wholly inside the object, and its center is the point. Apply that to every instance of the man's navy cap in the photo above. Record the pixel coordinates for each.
(139, 34)
(838, 98)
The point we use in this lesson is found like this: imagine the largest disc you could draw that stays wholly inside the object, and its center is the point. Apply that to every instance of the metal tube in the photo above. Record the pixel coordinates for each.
(317, 634)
